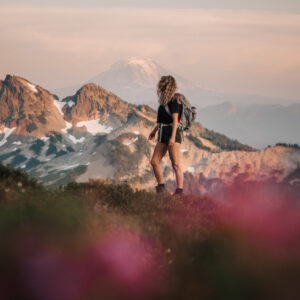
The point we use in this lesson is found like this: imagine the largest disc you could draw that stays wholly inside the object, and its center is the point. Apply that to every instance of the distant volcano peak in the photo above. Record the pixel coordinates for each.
(142, 72)
(133, 79)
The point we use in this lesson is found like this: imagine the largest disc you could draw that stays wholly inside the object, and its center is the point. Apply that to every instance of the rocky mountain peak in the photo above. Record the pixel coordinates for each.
(92, 88)
(18, 84)
(28, 107)
(92, 101)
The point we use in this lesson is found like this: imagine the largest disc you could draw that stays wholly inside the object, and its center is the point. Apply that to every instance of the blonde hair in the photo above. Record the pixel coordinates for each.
(166, 89)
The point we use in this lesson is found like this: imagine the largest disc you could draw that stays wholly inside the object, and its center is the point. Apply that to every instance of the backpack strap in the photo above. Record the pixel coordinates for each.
(169, 113)
(168, 109)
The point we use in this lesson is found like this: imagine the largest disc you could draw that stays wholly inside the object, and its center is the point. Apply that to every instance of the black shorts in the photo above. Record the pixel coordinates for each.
(165, 132)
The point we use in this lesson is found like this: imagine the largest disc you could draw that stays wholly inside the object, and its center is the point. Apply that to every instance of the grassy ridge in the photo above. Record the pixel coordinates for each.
(98, 240)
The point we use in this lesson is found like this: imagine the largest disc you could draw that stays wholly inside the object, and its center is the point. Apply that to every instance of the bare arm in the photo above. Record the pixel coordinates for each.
(155, 128)
(174, 128)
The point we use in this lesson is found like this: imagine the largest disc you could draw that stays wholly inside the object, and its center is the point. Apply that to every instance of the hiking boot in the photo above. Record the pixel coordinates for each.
(160, 188)
(178, 192)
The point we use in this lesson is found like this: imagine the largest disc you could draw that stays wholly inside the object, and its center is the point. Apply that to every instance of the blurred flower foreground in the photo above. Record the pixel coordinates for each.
(98, 240)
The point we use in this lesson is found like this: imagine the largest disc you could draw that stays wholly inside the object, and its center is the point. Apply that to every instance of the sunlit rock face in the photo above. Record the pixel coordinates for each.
(28, 107)
(92, 101)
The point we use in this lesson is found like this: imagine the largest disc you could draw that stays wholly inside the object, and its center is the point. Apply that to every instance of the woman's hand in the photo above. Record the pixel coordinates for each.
(152, 135)
(171, 141)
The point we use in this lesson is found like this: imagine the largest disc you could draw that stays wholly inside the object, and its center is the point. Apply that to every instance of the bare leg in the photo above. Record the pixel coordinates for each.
(175, 159)
(159, 151)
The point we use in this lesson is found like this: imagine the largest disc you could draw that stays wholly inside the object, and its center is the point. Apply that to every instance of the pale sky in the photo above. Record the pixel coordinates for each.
(251, 47)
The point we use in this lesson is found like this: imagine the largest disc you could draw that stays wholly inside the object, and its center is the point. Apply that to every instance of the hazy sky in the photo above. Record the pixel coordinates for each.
(269, 5)
(250, 47)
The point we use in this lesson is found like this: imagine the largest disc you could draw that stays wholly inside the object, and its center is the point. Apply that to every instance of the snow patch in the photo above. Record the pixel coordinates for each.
(191, 169)
(71, 103)
(147, 65)
(69, 167)
(7, 132)
(45, 138)
(136, 132)
(14, 149)
(94, 127)
(59, 105)
(17, 143)
(32, 87)
(183, 150)
(23, 166)
(68, 126)
(130, 142)
(75, 140)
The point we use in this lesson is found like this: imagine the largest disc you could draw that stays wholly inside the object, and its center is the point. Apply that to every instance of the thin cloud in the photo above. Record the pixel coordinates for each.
(222, 49)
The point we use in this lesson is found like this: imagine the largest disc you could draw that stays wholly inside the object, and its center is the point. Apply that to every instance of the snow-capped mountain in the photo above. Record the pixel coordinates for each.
(96, 134)
(141, 73)
(135, 81)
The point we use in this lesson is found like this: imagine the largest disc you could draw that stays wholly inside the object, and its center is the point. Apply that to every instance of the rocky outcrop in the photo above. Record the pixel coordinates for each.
(28, 107)
(92, 102)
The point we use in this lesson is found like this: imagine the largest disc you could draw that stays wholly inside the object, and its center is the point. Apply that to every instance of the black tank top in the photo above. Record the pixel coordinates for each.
(163, 116)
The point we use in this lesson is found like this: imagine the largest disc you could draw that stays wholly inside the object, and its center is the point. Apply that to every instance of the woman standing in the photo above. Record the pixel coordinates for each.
(169, 136)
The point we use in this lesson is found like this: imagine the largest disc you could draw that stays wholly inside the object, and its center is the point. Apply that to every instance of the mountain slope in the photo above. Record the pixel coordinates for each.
(215, 171)
(100, 136)
(257, 125)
